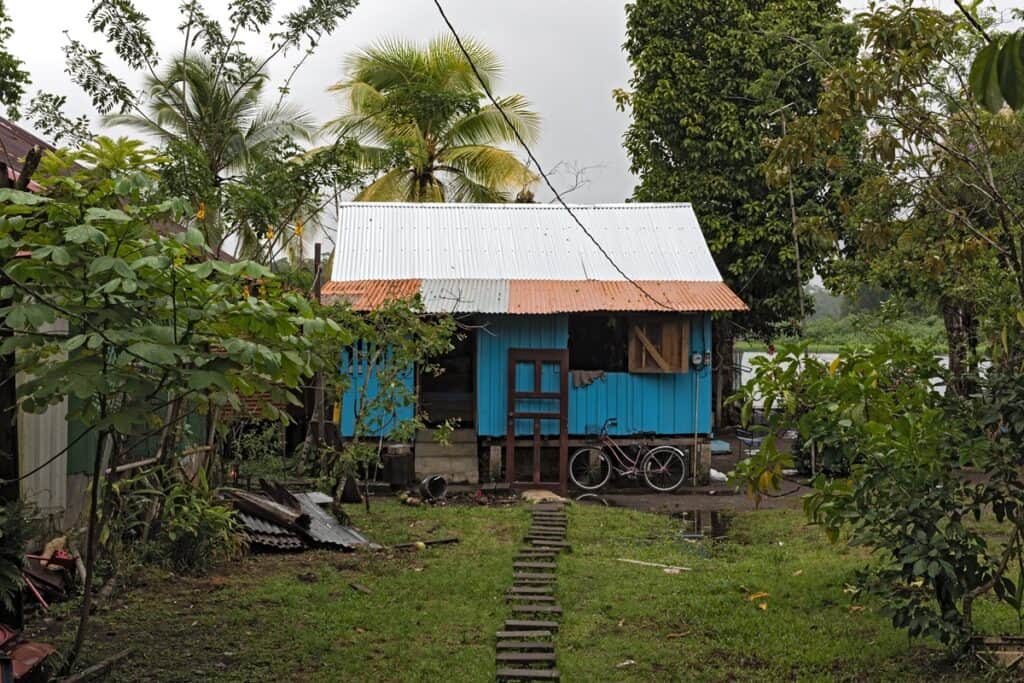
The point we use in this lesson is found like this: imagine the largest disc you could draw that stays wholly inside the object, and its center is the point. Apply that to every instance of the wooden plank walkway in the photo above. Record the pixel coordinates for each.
(525, 648)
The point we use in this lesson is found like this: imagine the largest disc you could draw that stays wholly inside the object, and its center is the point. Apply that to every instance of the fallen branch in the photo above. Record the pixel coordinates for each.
(267, 509)
(413, 544)
(96, 670)
(655, 564)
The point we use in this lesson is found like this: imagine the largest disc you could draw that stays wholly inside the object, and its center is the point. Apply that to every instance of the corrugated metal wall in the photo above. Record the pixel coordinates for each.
(663, 404)
(40, 437)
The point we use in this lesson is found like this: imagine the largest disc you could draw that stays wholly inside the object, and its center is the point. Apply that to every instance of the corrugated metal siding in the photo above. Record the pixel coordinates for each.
(40, 437)
(465, 296)
(499, 334)
(520, 242)
(561, 296)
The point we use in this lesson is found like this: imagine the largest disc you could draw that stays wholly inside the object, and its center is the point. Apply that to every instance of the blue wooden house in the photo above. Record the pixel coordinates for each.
(566, 330)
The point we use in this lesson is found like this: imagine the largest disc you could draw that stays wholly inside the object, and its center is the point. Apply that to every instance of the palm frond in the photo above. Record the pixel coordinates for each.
(393, 186)
(488, 126)
(490, 166)
(463, 189)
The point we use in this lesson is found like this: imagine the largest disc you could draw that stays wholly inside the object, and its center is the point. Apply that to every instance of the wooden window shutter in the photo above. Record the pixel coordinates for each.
(659, 345)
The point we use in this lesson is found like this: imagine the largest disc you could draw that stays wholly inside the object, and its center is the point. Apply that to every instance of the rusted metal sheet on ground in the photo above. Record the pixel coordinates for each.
(261, 526)
(297, 521)
(324, 529)
(276, 542)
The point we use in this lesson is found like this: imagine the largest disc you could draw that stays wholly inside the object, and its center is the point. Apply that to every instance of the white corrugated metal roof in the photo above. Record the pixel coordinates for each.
(465, 296)
(379, 240)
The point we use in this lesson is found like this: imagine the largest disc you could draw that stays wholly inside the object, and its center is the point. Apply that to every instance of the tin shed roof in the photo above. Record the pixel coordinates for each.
(526, 258)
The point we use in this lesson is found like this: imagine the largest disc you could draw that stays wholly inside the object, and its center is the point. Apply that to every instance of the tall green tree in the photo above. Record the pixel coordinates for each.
(224, 133)
(938, 218)
(418, 111)
(221, 111)
(713, 85)
(13, 78)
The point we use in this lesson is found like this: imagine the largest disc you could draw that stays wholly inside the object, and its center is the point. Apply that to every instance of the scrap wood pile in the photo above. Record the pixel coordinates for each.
(279, 519)
(24, 657)
(47, 576)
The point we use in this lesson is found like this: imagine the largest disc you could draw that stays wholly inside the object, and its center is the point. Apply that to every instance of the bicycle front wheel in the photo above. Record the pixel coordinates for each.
(590, 468)
(665, 468)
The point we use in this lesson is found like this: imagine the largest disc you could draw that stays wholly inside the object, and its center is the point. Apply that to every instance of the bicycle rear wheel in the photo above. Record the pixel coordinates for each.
(590, 468)
(665, 468)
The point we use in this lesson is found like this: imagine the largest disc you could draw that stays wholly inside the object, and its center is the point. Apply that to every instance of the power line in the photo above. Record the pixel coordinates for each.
(540, 168)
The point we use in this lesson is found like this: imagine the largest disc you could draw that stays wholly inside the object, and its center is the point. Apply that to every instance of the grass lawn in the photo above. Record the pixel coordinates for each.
(431, 615)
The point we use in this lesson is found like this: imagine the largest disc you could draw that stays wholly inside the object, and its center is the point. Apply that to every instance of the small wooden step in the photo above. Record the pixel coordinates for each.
(538, 551)
(532, 597)
(531, 590)
(547, 543)
(527, 675)
(534, 645)
(530, 625)
(535, 565)
(528, 557)
(536, 633)
(526, 657)
(536, 609)
(531, 577)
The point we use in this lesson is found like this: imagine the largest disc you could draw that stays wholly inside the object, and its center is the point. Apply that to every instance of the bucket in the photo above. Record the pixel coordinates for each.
(433, 487)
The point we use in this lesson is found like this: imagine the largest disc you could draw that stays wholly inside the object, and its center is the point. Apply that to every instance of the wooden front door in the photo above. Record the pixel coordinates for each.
(538, 404)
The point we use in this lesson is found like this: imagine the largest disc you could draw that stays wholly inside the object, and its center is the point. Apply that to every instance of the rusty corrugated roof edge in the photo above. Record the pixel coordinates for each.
(526, 297)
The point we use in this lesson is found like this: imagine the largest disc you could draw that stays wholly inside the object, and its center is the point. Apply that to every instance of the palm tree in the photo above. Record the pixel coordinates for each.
(416, 112)
(219, 111)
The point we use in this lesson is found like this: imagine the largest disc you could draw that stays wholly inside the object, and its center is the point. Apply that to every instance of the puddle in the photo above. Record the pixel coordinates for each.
(704, 523)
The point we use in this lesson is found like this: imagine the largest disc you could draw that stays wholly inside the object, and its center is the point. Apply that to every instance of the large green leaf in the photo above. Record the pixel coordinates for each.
(79, 234)
(95, 214)
(10, 196)
(984, 78)
(153, 353)
(1011, 71)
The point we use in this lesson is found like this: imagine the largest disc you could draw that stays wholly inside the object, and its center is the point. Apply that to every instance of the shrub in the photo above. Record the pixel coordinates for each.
(17, 527)
(158, 517)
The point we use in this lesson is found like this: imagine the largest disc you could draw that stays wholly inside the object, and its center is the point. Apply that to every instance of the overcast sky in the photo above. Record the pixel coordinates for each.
(564, 55)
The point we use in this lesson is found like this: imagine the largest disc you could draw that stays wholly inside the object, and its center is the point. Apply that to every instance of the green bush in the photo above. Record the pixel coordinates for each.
(17, 527)
(905, 494)
(198, 530)
(159, 518)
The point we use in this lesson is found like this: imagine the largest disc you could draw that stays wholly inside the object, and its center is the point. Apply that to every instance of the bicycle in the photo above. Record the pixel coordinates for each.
(663, 468)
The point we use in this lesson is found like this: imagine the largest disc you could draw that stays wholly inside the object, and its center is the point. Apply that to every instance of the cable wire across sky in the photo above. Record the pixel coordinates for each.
(536, 162)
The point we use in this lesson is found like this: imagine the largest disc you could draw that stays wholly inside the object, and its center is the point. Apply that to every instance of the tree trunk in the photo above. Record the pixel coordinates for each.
(962, 341)
(723, 372)
(91, 548)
